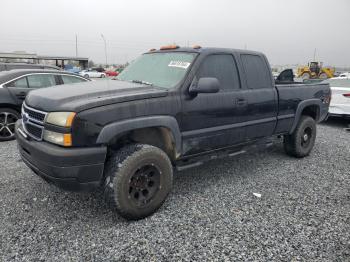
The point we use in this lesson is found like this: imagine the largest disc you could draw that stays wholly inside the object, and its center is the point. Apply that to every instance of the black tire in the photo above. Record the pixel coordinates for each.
(8, 118)
(305, 75)
(323, 76)
(302, 140)
(130, 186)
(86, 76)
(103, 76)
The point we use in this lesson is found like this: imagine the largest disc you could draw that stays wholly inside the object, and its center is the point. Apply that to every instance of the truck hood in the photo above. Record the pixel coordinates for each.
(82, 96)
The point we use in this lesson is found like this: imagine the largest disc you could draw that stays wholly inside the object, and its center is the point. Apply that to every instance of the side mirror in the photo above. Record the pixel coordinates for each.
(205, 85)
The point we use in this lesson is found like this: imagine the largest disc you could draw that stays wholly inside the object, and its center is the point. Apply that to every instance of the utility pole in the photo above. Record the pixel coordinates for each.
(104, 40)
(76, 45)
(315, 54)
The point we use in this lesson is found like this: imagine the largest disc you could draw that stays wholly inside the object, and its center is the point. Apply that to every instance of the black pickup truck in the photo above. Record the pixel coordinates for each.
(171, 108)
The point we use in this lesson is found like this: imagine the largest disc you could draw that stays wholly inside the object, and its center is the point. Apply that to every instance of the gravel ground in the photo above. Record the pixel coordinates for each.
(303, 212)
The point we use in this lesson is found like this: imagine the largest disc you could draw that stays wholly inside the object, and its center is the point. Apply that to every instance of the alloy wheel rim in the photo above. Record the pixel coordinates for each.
(7, 124)
(144, 184)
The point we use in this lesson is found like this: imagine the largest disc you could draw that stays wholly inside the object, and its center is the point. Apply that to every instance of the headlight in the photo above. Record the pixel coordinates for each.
(58, 138)
(64, 119)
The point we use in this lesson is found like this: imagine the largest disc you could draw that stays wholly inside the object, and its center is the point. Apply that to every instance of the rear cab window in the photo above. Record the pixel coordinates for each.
(257, 72)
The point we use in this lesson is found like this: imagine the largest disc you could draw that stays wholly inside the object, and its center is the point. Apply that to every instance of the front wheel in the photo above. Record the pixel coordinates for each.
(302, 140)
(8, 119)
(138, 178)
(305, 76)
(86, 76)
(103, 76)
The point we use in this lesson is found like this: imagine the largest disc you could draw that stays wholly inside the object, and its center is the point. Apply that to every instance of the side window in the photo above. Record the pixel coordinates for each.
(223, 68)
(67, 79)
(20, 83)
(258, 75)
(39, 81)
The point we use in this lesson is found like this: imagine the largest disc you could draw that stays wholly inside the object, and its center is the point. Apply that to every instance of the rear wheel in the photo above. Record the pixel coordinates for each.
(138, 178)
(302, 140)
(103, 76)
(86, 76)
(8, 119)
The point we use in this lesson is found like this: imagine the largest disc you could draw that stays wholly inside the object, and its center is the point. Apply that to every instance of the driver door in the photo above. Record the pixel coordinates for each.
(215, 120)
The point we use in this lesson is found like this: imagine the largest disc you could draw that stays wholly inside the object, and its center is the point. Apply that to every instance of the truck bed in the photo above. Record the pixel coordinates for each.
(290, 97)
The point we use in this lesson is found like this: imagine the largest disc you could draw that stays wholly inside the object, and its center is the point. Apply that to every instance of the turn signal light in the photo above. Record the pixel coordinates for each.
(67, 140)
(346, 95)
(167, 47)
(70, 119)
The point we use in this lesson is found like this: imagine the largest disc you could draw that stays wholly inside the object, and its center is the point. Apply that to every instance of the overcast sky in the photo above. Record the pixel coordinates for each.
(287, 31)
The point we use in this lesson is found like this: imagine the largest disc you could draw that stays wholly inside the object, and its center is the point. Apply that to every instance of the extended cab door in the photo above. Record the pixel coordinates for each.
(261, 96)
(211, 121)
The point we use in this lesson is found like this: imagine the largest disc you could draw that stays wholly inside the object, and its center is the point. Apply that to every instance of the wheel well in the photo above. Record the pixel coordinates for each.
(10, 106)
(313, 111)
(160, 137)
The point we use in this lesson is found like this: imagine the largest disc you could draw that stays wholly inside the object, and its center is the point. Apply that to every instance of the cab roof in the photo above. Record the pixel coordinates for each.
(205, 50)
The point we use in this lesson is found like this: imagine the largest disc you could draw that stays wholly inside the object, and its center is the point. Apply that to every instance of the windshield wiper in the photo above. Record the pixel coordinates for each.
(142, 82)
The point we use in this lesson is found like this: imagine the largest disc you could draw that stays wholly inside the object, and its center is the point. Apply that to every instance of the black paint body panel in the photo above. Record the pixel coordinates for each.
(205, 121)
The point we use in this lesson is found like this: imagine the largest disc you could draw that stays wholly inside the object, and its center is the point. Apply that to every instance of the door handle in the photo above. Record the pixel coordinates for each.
(241, 102)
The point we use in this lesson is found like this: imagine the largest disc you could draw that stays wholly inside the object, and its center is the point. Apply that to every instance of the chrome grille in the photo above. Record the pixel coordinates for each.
(34, 114)
(34, 131)
(33, 122)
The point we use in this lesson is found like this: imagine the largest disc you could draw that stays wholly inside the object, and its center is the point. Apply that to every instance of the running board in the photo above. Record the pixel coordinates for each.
(195, 164)
(199, 160)
(207, 158)
(237, 153)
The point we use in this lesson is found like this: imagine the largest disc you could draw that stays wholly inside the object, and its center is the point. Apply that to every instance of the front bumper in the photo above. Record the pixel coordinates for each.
(77, 169)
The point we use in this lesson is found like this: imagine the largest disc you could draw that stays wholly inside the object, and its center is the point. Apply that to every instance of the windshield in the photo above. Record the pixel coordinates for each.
(159, 69)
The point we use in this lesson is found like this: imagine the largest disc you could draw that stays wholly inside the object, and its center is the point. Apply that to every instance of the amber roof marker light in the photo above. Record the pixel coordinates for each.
(168, 47)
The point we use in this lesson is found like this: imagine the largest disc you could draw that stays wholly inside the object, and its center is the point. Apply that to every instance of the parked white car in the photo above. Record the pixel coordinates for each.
(340, 102)
(92, 73)
(345, 74)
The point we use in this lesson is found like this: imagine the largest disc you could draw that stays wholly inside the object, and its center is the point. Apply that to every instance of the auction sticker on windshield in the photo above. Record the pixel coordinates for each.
(180, 64)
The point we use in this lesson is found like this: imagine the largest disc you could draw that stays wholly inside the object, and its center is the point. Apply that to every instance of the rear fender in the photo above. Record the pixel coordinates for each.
(302, 105)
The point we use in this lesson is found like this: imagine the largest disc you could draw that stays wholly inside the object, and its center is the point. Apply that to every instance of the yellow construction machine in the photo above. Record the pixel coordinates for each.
(315, 70)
